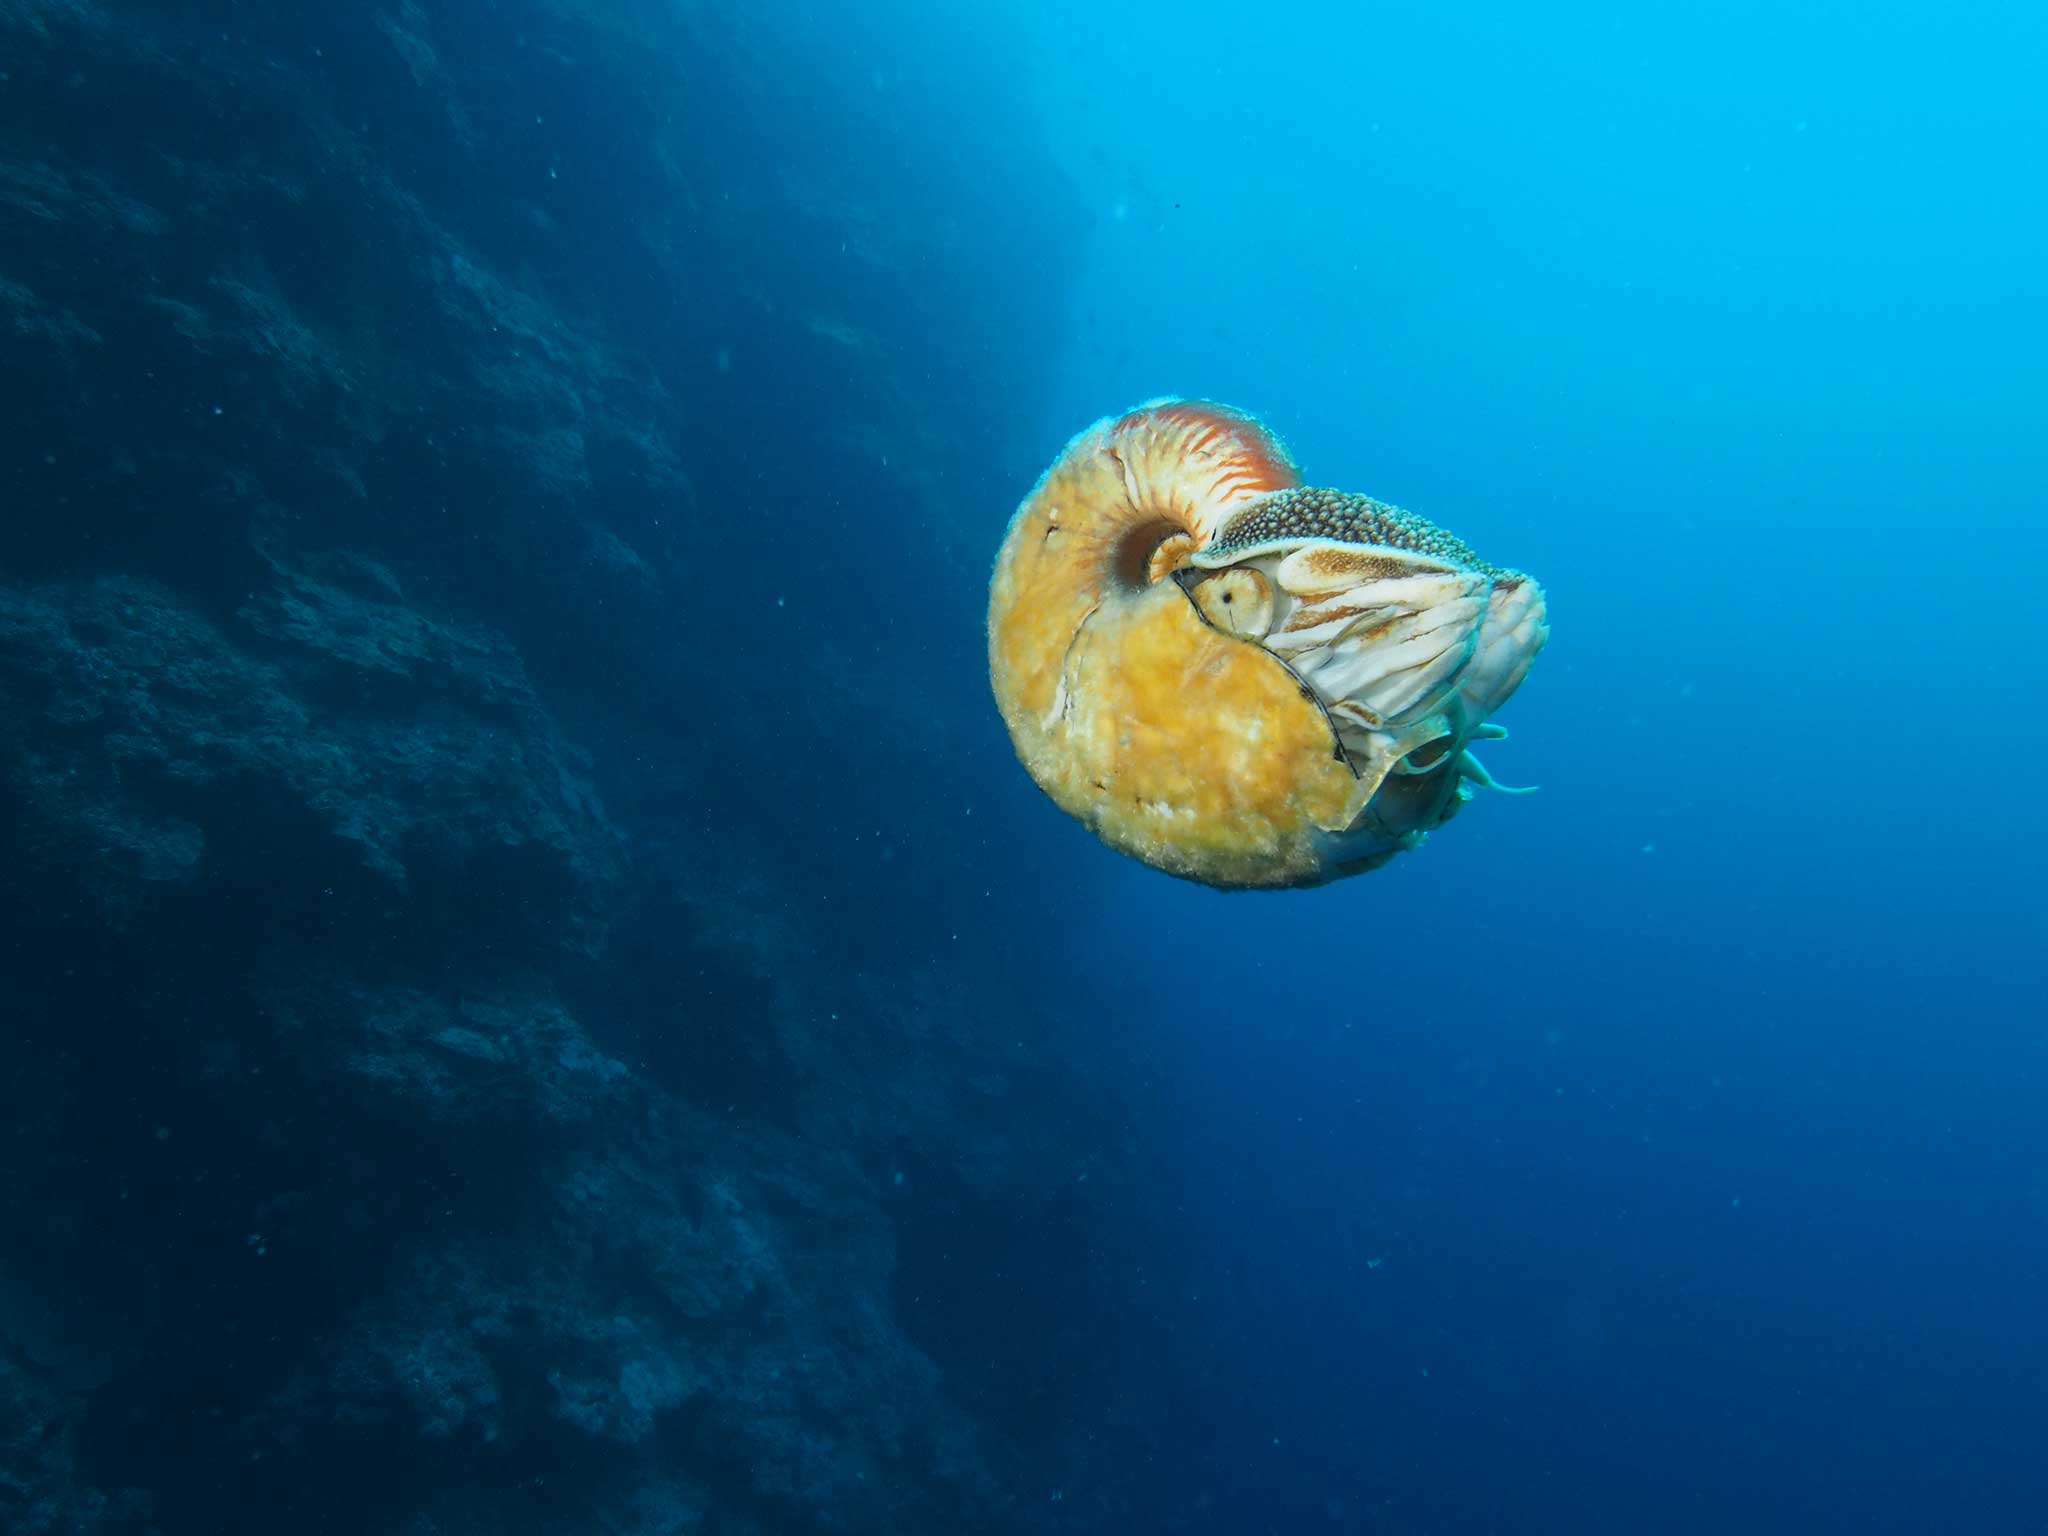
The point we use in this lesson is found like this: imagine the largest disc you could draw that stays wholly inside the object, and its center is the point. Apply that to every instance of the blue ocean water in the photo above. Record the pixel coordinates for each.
(541, 1000)
(1664, 1151)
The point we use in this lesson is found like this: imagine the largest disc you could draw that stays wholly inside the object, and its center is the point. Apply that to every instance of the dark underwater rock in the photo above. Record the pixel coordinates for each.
(39, 1495)
(441, 1098)
(132, 723)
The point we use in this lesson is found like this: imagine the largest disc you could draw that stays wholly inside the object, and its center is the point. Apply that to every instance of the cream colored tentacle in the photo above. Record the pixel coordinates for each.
(1473, 769)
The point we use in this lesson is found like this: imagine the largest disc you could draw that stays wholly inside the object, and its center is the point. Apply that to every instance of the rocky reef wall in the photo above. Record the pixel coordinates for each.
(521, 1014)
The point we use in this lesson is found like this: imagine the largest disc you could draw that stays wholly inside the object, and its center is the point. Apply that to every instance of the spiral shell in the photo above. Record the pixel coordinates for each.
(1236, 678)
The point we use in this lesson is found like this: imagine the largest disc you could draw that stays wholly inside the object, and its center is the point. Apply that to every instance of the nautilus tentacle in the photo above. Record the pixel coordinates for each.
(1237, 678)
(1475, 771)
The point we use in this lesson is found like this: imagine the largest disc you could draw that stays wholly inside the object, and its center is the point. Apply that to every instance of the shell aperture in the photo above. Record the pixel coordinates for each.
(1237, 678)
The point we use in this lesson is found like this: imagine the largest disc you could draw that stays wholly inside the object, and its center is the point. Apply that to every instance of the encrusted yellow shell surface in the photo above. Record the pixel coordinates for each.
(1235, 679)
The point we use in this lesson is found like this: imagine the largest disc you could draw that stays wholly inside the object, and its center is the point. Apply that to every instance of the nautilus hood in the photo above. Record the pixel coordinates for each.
(1237, 678)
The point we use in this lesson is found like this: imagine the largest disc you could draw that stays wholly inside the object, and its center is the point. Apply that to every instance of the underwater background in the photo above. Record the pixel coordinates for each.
(537, 997)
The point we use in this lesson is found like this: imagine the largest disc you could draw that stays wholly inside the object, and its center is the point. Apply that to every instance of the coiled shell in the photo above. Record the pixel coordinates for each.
(1235, 678)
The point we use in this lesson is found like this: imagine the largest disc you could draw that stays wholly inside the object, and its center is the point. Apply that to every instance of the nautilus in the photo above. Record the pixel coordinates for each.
(1236, 677)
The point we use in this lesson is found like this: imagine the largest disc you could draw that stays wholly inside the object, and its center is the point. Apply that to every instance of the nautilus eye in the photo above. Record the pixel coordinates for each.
(1239, 602)
(1238, 678)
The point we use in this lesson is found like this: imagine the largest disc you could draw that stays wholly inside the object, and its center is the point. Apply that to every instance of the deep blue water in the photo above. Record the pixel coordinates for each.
(1666, 1151)
(1695, 1106)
